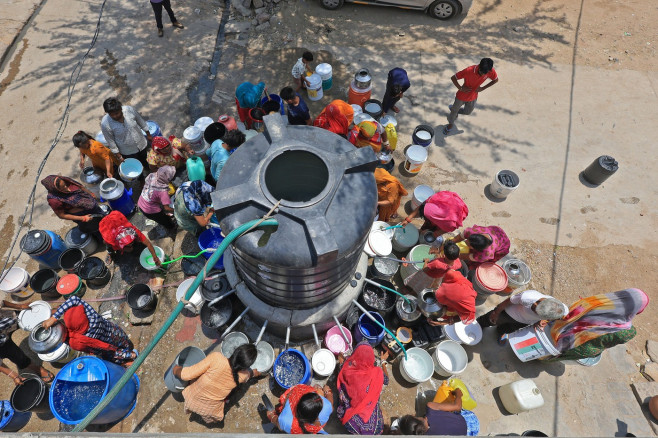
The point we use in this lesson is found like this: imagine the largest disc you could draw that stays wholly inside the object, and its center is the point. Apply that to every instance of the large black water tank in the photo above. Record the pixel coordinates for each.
(328, 202)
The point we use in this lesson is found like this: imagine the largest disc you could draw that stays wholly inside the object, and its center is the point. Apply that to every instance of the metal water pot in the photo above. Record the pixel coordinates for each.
(91, 178)
(428, 305)
(407, 312)
(46, 340)
(111, 189)
(362, 78)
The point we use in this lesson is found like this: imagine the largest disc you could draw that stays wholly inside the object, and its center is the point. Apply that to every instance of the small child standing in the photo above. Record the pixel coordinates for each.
(299, 71)
(298, 113)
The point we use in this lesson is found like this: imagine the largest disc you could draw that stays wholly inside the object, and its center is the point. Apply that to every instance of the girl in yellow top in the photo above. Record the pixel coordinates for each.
(101, 157)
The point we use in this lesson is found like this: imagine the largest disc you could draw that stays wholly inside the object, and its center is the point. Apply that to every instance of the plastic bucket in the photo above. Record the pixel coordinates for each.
(50, 247)
(81, 385)
(10, 419)
(203, 122)
(124, 203)
(379, 300)
(214, 131)
(417, 254)
(504, 183)
(130, 170)
(232, 341)
(265, 358)
(417, 367)
(194, 137)
(335, 342)
(488, 278)
(154, 128)
(70, 285)
(101, 139)
(449, 358)
(468, 334)
(38, 312)
(271, 106)
(373, 107)
(187, 357)
(423, 135)
(274, 98)
(228, 121)
(416, 155)
(405, 238)
(255, 120)
(196, 300)
(600, 170)
(76, 238)
(530, 343)
(71, 259)
(421, 194)
(15, 281)
(211, 239)
(31, 396)
(323, 362)
(94, 271)
(367, 329)
(383, 269)
(358, 96)
(146, 258)
(141, 297)
(291, 368)
(314, 88)
(326, 72)
(44, 282)
(217, 315)
(62, 354)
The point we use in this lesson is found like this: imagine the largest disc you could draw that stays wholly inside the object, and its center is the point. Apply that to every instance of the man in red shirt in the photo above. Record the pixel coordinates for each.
(473, 76)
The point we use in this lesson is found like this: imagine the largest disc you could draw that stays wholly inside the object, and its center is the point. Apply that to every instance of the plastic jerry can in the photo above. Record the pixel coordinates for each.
(195, 169)
(520, 396)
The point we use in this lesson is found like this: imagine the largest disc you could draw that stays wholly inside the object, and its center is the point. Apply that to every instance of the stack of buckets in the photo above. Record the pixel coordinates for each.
(15, 281)
(417, 153)
(43, 246)
(325, 71)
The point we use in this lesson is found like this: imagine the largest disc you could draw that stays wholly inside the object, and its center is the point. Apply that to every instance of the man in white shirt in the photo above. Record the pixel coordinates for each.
(299, 71)
(122, 127)
(523, 309)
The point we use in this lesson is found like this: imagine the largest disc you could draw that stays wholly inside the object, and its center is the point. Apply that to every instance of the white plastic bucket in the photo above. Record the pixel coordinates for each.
(62, 354)
(417, 254)
(416, 156)
(500, 190)
(531, 343)
(130, 169)
(468, 334)
(357, 108)
(314, 90)
(202, 123)
(194, 136)
(325, 71)
(196, 300)
(38, 312)
(449, 358)
(323, 362)
(417, 367)
(15, 281)
(379, 243)
(421, 194)
(146, 259)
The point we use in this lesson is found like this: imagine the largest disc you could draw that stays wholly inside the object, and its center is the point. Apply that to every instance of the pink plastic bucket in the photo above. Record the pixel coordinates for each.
(335, 342)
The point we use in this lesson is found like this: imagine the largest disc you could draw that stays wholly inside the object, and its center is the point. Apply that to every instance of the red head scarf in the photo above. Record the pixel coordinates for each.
(456, 293)
(363, 382)
(118, 232)
(77, 324)
(159, 143)
(332, 119)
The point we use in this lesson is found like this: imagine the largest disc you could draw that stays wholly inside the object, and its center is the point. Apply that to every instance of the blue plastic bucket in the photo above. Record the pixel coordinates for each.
(282, 372)
(44, 246)
(368, 330)
(11, 420)
(278, 99)
(211, 238)
(124, 203)
(154, 128)
(83, 383)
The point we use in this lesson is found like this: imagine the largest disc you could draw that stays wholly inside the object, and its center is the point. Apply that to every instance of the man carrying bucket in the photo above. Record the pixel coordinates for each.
(522, 309)
(473, 77)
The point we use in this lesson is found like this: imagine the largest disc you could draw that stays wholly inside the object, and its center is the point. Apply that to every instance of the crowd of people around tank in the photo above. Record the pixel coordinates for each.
(172, 197)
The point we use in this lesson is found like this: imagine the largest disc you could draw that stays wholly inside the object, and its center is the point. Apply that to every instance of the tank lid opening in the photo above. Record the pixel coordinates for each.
(296, 176)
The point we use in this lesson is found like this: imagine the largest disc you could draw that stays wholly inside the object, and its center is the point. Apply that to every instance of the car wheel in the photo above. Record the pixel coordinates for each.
(444, 9)
(331, 4)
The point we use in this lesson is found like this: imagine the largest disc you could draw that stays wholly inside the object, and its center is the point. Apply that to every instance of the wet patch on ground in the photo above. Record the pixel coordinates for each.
(117, 81)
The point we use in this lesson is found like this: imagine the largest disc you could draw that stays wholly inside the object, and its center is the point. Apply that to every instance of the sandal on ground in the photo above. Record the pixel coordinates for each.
(160, 33)
(446, 130)
(48, 378)
(177, 25)
(395, 109)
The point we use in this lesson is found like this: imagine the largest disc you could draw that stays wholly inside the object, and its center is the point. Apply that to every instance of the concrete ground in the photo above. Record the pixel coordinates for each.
(561, 102)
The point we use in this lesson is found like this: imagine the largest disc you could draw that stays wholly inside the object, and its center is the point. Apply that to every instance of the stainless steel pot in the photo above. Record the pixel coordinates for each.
(46, 340)
(91, 178)
(428, 305)
(362, 78)
(111, 189)
(408, 313)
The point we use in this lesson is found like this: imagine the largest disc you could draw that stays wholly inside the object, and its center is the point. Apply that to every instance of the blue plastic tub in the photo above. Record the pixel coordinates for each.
(368, 330)
(279, 369)
(211, 238)
(11, 420)
(83, 383)
(278, 99)
(124, 203)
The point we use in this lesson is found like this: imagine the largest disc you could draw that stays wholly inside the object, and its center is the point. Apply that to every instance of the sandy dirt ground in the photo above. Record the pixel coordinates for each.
(578, 79)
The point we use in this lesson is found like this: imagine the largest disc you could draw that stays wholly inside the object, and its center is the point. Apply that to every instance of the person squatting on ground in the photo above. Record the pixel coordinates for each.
(303, 409)
(154, 200)
(467, 95)
(120, 236)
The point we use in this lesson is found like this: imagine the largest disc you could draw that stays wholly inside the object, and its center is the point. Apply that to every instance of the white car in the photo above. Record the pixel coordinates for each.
(440, 9)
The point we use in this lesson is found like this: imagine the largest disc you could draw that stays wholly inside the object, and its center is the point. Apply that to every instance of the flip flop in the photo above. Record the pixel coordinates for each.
(396, 109)
(49, 378)
(445, 130)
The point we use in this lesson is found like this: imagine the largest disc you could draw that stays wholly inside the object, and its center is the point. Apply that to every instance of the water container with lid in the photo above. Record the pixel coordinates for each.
(195, 169)
(101, 139)
(194, 137)
(202, 123)
(518, 274)
(91, 179)
(520, 396)
(601, 169)
(76, 238)
(83, 383)
(362, 78)
(118, 197)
